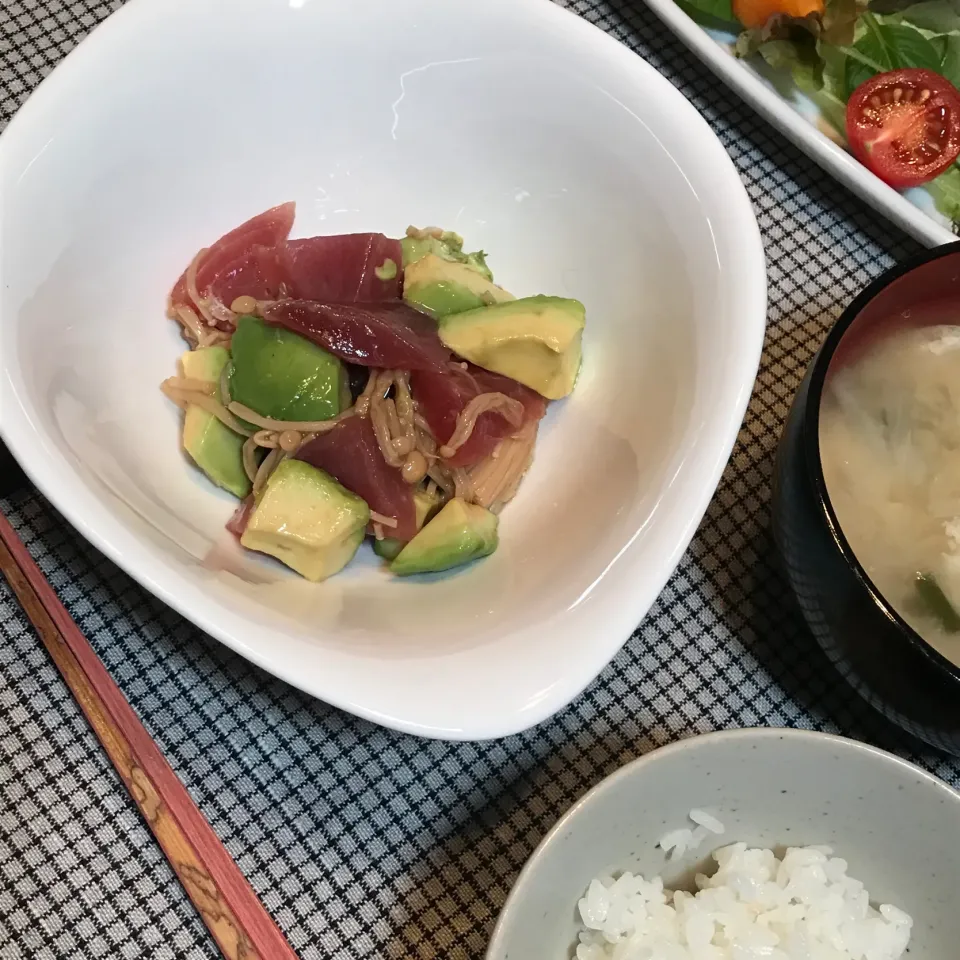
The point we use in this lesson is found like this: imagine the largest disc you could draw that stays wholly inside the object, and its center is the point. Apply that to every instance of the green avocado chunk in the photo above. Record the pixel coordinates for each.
(459, 533)
(282, 375)
(449, 246)
(212, 445)
(441, 287)
(307, 520)
(424, 506)
(535, 340)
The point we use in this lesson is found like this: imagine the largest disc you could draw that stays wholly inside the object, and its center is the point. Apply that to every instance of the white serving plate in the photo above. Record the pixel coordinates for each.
(798, 118)
(573, 163)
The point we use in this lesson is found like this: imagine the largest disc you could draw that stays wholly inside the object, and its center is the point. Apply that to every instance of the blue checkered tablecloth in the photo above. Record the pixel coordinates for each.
(362, 842)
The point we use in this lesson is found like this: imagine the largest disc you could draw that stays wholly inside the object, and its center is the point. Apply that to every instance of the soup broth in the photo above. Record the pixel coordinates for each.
(890, 449)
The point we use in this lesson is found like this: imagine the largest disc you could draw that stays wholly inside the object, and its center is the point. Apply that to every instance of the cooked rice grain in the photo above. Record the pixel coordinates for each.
(801, 907)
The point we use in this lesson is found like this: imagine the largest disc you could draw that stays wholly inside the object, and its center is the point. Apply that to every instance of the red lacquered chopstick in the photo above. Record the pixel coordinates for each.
(234, 916)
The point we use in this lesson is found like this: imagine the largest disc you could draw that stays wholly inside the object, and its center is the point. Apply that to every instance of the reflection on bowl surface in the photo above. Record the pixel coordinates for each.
(863, 510)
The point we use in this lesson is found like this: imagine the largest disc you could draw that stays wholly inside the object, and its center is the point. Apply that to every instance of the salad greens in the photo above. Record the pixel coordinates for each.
(946, 193)
(828, 54)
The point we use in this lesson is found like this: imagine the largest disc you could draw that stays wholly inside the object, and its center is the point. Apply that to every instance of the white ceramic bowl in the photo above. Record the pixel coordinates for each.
(578, 168)
(896, 825)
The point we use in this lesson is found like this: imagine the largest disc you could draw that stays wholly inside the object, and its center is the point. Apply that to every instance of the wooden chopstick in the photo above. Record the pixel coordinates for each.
(225, 900)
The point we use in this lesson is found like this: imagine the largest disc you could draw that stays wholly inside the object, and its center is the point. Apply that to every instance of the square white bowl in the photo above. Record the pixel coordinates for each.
(579, 169)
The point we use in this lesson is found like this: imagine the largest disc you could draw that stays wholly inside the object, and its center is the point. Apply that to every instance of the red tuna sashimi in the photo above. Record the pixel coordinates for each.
(265, 230)
(351, 455)
(441, 397)
(342, 269)
(388, 335)
(338, 269)
(241, 517)
(256, 274)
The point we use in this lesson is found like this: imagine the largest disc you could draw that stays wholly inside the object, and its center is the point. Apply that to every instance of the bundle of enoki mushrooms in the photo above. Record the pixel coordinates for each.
(403, 436)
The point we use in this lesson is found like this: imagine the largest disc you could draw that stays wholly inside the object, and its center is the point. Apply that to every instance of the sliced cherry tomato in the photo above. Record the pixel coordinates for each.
(904, 125)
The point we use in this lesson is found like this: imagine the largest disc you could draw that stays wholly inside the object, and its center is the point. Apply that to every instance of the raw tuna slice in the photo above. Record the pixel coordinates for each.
(350, 453)
(387, 335)
(342, 269)
(265, 230)
(241, 517)
(441, 397)
(257, 274)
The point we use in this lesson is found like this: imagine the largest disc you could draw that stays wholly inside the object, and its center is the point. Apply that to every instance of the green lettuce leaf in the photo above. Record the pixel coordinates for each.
(797, 58)
(839, 22)
(709, 13)
(945, 191)
(795, 31)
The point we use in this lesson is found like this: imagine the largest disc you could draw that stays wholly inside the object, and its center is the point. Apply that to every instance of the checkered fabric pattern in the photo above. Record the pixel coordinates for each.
(363, 842)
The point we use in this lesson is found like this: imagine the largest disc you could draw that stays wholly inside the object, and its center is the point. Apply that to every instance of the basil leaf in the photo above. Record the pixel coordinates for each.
(864, 60)
(937, 16)
(886, 8)
(950, 66)
(910, 48)
(888, 46)
(867, 57)
(874, 42)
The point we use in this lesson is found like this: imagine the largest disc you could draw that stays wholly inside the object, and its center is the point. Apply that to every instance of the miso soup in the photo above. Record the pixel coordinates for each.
(890, 448)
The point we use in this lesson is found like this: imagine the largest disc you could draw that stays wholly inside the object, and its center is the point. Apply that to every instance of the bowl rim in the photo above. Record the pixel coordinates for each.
(686, 745)
(810, 441)
(745, 287)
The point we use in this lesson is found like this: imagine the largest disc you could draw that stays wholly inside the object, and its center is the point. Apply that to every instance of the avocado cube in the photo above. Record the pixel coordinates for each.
(282, 375)
(424, 505)
(440, 287)
(204, 363)
(307, 520)
(212, 445)
(536, 341)
(448, 246)
(459, 533)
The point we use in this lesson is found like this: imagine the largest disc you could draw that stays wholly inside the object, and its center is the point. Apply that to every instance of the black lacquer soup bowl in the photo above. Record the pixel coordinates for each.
(884, 659)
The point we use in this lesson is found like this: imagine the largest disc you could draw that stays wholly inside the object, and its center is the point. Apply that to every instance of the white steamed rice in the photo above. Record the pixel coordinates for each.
(754, 907)
(677, 842)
